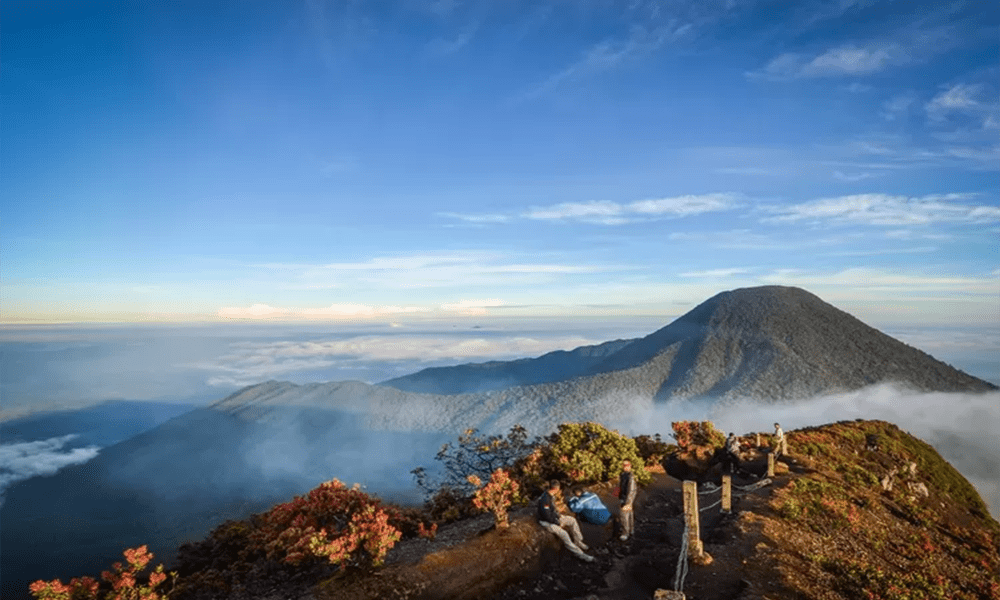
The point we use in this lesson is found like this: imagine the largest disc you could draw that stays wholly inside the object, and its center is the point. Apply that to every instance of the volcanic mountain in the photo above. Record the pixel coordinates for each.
(275, 439)
(770, 343)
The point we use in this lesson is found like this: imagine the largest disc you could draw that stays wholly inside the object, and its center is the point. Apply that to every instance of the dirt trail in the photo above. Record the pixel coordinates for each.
(635, 569)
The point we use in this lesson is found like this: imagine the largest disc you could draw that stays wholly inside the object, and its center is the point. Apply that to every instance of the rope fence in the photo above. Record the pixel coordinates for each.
(691, 546)
(682, 564)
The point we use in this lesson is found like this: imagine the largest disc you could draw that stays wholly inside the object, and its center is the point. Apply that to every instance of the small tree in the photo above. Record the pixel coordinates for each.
(474, 454)
(496, 496)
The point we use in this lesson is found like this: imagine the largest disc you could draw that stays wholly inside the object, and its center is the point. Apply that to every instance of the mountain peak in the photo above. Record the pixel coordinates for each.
(780, 343)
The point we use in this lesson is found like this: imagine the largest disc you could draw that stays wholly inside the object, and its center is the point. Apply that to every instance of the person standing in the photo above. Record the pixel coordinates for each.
(626, 496)
(732, 453)
(780, 445)
(549, 518)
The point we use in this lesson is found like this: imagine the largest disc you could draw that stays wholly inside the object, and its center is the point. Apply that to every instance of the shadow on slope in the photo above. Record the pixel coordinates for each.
(174, 483)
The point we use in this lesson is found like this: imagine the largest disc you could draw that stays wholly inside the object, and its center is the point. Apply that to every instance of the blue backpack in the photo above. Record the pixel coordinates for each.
(590, 508)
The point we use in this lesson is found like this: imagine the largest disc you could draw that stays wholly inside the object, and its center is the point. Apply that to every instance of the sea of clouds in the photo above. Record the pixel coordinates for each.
(57, 368)
(23, 460)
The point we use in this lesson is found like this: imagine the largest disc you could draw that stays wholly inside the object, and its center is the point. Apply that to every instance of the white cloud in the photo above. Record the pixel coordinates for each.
(614, 213)
(456, 269)
(842, 61)
(716, 273)
(852, 177)
(852, 60)
(601, 212)
(883, 209)
(442, 46)
(23, 460)
(256, 311)
(483, 218)
(861, 278)
(356, 311)
(253, 362)
(958, 98)
(472, 307)
(685, 205)
(898, 107)
(610, 54)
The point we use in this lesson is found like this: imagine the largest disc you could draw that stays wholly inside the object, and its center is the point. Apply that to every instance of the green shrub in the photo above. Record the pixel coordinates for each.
(589, 453)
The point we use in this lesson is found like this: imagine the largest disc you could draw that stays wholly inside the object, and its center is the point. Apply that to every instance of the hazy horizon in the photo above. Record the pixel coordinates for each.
(52, 368)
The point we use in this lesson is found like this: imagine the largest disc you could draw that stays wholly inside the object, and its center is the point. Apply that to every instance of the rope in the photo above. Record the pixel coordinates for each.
(682, 566)
(754, 486)
(710, 506)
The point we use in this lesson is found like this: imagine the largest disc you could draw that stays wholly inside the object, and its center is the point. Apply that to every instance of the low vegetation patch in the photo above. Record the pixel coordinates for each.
(885, 521)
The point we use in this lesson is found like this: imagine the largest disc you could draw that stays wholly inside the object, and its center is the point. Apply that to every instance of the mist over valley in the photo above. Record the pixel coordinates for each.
(124, 473)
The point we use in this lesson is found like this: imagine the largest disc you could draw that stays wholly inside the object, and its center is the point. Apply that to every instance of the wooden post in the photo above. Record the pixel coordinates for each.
(770, 464)
(695, 548)
(758, 441)
(727, 493)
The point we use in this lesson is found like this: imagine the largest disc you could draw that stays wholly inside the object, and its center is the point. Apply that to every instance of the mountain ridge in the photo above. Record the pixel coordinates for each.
(733, 346)
(760, 342)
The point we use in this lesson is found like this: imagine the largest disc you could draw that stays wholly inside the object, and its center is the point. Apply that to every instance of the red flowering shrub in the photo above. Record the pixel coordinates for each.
(496, 496)
(123, 582)
(342, 524)
(693, 436)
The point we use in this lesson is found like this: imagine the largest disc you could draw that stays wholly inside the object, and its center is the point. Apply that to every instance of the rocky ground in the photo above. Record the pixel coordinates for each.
(527, 563)
(842, 519)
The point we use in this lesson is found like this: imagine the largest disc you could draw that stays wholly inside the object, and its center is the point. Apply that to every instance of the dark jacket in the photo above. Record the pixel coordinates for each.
(626, 488)
(547, 511)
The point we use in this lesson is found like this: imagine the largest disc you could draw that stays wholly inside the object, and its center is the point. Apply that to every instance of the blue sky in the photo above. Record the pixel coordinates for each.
(404, 161)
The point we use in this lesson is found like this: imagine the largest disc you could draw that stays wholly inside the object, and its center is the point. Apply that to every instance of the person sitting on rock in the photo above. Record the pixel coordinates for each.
(588, 506)
(549, 518)
(626, 495)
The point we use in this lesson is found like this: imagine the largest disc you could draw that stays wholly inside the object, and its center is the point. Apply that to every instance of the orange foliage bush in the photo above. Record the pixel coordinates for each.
(122, 580)
(496, 496)
(343, 524)
(695, 436)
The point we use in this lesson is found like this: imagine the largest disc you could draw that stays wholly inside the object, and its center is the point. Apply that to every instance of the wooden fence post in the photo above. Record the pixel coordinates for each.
(758, 441)
(695, 548)
(770, 464)
(727, 493)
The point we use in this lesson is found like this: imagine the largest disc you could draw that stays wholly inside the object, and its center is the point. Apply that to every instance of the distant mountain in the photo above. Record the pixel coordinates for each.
(275, 439)
(770, 343)
(780, 343)
(498, 375)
